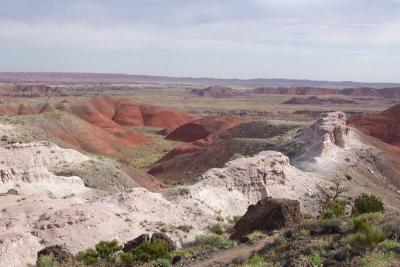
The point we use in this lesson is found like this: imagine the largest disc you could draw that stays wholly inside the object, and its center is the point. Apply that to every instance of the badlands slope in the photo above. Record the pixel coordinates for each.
(100, 125)
(79, 217)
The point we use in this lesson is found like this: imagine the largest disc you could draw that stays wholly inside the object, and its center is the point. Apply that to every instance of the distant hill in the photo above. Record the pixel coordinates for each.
(125, 78)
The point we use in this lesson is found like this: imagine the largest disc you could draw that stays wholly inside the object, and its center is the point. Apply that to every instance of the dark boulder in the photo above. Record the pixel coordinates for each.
(59, 255)
(131, 244)
(164, 237)
(267, 215)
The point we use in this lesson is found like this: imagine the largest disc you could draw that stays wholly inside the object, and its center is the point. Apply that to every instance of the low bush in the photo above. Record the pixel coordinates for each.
(217, 229)
(185, 228)
(367, 204)
(315, 258)
(333, 209)
(212, 240)
(208, 240)
(150, 251)
(44, 261)
(105, 249)
(392, 229)
(392, 245)
(255, 261)
(329, 226)
(366, 236)
(88, 256)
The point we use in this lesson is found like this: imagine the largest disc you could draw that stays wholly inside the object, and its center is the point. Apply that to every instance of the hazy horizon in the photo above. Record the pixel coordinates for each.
(288, 39)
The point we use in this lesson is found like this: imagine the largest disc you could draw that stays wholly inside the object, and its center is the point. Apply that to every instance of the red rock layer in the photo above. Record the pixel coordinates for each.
(384, 125)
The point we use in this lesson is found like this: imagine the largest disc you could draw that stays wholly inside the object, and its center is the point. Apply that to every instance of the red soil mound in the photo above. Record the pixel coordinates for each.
(202, 128)
(189, 160)
(384, 125)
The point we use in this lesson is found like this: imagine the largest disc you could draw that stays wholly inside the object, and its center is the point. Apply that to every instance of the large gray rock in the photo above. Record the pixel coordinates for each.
(267, 215)
(131, 244)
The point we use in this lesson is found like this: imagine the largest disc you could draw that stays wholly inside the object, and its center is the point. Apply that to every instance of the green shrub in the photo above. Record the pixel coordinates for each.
(105, 249)
(315, 258)
(366, 236)
(225, 243)
(367, 204)
(333, 209)
(150, 251)
(126, 257)
(163, 263)
(88, 256)
(392, 245)
(217, 229)
(255, 261)
(44, 261)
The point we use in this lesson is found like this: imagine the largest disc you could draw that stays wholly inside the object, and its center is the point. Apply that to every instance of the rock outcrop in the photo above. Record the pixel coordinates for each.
(131, 244)
(249, 179)
(325, 136)
(59, 255)
(25, 169)
(267, 215)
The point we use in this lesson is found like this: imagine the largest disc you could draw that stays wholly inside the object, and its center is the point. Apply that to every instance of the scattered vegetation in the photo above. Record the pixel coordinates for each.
(110, 252)
(336, 237)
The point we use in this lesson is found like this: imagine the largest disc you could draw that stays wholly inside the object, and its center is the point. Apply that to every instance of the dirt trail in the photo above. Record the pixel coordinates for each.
(224, 257)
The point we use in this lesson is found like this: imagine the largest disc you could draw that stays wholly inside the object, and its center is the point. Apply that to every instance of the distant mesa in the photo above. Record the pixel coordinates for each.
(293, 91)
(314, 100)
(362, 91)
(216, 91)
(31, 90)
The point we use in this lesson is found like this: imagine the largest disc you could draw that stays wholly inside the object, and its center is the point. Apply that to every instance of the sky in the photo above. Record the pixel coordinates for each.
(337, 40)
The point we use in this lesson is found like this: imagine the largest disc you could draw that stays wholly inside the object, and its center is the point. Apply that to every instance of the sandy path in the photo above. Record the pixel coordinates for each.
(221, 258)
